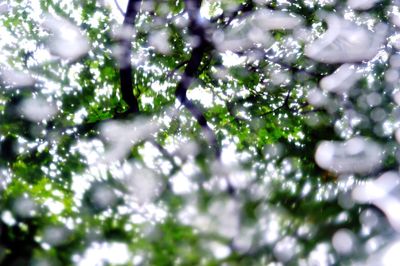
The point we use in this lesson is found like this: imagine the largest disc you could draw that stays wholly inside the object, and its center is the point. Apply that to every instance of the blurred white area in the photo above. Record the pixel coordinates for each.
(390, 254)
(24, 207)
(219, 250)
(254, 30)
(317, 98)
(357, 155)
(3, 8)
(55, 235)
(387, 256)
(160, 41)
(346, 42)
(320, 255)
(66, 40)
(125, 33)
(361, 4)
(222, 218)
(115, 12)
(101, 253)
(37, 109)
(343, 241)
(103, 196)
(182, 183)
(341, 80)
(275, 20)
(286, 248)
(376, 189)
(380, 192)
(16, 79)
(122, 135)
(395, 19)
(143, 184)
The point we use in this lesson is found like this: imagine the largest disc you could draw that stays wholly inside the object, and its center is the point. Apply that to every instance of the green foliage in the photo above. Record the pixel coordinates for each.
(92, 175)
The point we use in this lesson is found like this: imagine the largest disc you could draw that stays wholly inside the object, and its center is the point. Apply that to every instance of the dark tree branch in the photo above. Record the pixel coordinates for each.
(125, 71)
(197, 29)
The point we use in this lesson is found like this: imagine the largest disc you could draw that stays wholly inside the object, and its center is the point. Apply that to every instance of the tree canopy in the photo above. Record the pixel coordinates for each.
(190, 132)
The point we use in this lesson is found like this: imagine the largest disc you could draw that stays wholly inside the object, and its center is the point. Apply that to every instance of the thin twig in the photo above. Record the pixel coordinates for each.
(119, 8)
(165, 153)
(285, 104)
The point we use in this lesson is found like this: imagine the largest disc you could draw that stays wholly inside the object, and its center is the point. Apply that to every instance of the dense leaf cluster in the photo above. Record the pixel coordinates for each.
(181, 150)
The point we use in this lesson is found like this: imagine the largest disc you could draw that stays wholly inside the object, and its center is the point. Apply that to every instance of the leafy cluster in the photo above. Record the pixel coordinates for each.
(169, 144)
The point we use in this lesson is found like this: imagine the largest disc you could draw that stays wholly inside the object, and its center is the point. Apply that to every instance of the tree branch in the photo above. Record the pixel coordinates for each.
(285, 104)
(119, 7)
(125, 71)
(201, 45)
(166, 154)
(191, 69)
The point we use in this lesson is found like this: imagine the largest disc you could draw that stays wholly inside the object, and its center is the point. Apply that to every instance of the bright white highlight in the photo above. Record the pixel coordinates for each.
(341, 80)
(343, 241)
(254, 30)
(66, 41)
(112, 253)
(122, 135)
(16, 79)
(361, 4)
(37, 109)
(346, 42)
(378, 192)
(357, 155)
